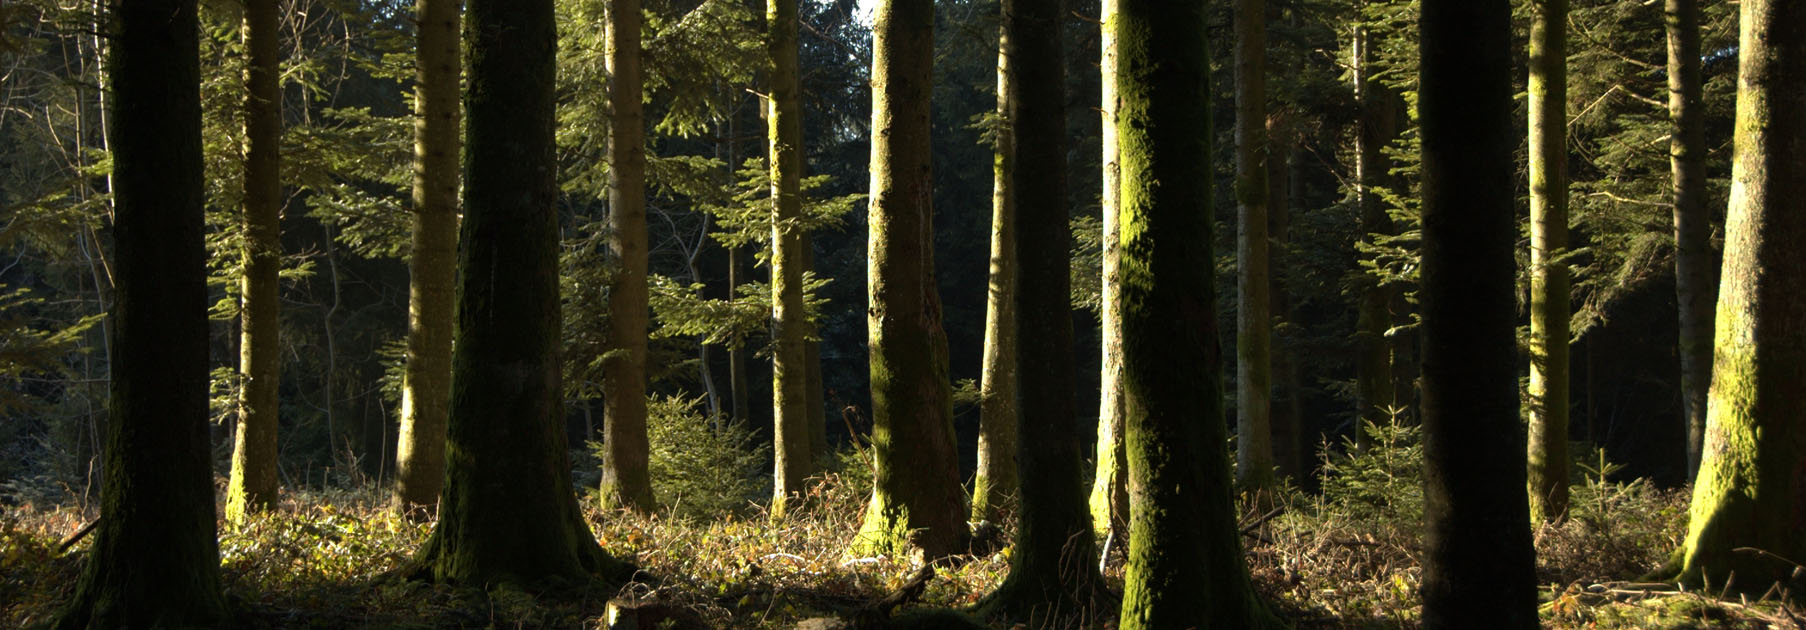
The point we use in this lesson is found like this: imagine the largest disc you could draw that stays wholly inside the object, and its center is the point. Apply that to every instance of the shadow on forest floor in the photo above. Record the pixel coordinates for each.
(1345, 558)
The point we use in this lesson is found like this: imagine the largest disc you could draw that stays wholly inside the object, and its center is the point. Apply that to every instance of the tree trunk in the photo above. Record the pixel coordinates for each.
(508, 514)
(1749, 505)
(155, 560)
(1548, 472)
(1051, 581)
(432, 266)
(994, 486)
(1695, 286)
(1373, 354)
(1290, 452)
(1186, 567)
(1253, 319)
(1478, 562)
(790, 379)
(252, 485)
(625, 481)
(1110, 483)
(916, 499)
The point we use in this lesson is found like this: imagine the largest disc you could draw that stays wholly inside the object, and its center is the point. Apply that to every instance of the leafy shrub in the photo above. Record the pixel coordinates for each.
(702, 466)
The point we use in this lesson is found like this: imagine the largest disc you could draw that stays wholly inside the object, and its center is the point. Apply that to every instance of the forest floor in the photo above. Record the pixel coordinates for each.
(1336, 559)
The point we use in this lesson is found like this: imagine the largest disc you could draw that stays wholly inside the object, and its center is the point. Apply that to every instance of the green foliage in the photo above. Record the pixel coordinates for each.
(1384, 483)
(746, 219)
(702, 466)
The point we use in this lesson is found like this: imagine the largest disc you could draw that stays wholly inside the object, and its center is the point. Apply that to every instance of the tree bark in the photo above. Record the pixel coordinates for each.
(508, 514)
(625, 481)
(1052, 581)
(1373, 355)
(1290, 452)
(155, 560)
(994, 486)
(432, 265)
(1549, 309)
(1478, 561)
(916, 499)
(1109, 487)
(793, 461)
(1749, 504)
(1186, 567)
(252, 484)
(1695, 286)
(1253, 312)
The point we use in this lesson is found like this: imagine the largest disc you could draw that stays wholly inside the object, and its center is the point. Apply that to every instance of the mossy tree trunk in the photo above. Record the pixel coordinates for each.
(1253, 311)
(625, 481)
(508, 514)
(1549, 308)
(432, 264)
(916, 499)
(1052, 579)
(1694, 270)
(1110, 482)
(793, 461)
(155, 559)
(1749, 503)
(1478, 561)
(1186, 567)
(994, 486)
(252, 485)
(1374, 389)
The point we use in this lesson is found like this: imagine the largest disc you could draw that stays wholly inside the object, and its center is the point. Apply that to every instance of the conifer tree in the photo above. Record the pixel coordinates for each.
(155, 559)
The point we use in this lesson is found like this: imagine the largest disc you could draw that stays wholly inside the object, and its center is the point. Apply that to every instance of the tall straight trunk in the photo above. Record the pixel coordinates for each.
(1253, 312)
(1186, 567)
(508, 514)
(1110, 482)
(994, 486)
(1051, 580)
(1694, 283)
(789, 377)
(432, 264)
(625, 481)
(1378, 126)
(155, 560)
(252, 485)
(1289, 448)
(1548, 472)
(1478, 561)
(916, 497)
(1749, 504)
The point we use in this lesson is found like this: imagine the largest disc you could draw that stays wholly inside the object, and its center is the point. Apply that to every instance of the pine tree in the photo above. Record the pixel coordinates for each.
(252, 485)
(1693, 264)
(1254, 326)
(1746, 517)
(1478, 562)
(625, 482)
(793, 461)
(995, 483)
(155, 560)
(916, 497)
(508, 513)
(432, 267)
(1051, 579)
(1549, 310)
(1186, 567)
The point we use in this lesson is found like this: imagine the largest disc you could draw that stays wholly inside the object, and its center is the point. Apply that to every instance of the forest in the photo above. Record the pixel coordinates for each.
(862, 314)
